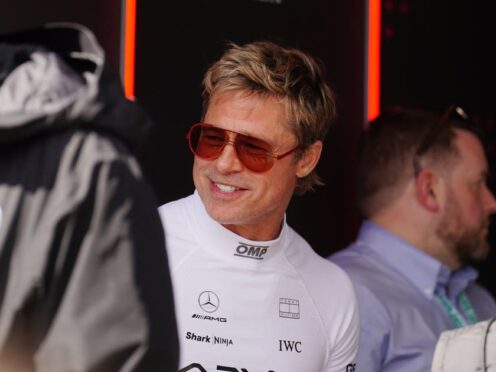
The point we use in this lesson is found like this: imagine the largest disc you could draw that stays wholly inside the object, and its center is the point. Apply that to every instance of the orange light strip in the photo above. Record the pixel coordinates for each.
(374, 59)
(129, 48)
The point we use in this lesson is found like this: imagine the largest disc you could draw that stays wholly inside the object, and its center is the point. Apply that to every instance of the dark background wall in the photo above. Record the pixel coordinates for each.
(101, 16)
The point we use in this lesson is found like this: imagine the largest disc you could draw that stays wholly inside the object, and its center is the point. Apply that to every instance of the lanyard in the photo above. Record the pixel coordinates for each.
(452, 311)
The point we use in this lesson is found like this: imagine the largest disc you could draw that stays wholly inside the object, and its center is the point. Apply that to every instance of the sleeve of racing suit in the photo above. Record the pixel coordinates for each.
(345, 345)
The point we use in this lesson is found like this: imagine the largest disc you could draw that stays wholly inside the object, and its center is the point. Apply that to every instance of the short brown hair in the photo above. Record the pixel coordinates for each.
(387, 148)
(266, 68)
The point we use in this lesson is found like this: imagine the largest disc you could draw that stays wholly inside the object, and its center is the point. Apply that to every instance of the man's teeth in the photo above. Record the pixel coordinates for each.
(226, 188)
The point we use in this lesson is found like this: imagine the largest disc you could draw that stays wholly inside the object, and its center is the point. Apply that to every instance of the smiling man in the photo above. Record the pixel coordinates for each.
(251, 295)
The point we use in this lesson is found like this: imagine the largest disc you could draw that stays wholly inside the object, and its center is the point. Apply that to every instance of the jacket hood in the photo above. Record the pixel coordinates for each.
(54, 77)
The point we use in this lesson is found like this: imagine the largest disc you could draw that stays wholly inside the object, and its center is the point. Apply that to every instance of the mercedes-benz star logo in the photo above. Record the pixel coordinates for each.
(208, 301)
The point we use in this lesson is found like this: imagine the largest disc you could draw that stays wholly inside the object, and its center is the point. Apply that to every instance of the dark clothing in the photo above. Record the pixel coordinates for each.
(84, 280)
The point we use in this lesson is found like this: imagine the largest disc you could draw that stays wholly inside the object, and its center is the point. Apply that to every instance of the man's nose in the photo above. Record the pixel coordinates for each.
(228, 160)
(489, 201)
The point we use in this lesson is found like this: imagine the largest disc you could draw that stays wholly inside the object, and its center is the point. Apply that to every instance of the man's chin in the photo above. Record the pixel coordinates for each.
(471, 255)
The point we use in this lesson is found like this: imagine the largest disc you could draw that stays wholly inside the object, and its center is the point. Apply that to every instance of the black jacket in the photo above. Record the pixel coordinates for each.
(84, 280)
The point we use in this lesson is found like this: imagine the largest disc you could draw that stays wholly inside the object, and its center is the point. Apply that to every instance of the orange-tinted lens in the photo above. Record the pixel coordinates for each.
(207, 142)
(254, 153)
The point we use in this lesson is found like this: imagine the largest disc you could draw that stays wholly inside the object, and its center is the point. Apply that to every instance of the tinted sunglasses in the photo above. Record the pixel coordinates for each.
(207, 142)
(433, 133)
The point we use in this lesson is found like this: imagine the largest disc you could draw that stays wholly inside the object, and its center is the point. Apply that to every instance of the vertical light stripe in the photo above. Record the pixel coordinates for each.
(129, 47)
(374, 59)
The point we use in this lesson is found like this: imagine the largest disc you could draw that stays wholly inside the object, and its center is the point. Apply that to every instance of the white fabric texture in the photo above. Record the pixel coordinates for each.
(467, 349)
(44, 85)
(255, 306)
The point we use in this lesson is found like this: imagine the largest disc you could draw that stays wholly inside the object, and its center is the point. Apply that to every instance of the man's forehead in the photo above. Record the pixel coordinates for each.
(471, 150)
(248, 102)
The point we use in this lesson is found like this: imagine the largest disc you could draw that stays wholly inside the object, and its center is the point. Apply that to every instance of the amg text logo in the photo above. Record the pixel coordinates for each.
(211, 318)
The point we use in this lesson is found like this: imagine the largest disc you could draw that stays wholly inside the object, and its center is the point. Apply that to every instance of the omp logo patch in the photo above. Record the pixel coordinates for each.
(251, 251)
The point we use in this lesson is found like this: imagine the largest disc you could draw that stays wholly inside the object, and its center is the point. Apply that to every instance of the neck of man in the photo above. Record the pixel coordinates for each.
(419, 229)
(256, 232)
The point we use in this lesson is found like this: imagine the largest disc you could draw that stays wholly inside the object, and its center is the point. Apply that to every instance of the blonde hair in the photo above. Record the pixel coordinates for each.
(266, 68)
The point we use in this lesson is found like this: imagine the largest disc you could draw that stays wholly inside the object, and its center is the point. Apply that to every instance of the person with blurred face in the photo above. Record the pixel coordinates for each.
(422, 189)
(84, 278)
(250, 292)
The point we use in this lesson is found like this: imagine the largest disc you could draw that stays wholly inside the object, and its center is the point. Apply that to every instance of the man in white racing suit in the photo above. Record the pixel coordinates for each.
(250, 293)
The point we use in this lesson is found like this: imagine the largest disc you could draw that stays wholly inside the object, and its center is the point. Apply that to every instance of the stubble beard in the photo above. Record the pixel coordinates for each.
(467, 243)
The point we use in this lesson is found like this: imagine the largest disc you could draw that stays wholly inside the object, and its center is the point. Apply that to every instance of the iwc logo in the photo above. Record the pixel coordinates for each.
(289, 345)
(208, 301)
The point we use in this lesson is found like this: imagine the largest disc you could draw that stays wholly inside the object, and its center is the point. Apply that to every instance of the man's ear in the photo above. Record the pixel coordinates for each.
(428, 190)
(309, 159)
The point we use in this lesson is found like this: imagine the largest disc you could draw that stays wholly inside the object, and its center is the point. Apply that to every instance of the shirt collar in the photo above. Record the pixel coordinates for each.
(422, 270)
(223, 242)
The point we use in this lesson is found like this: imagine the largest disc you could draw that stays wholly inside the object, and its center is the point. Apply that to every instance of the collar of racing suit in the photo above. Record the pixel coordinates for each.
(229, 246)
